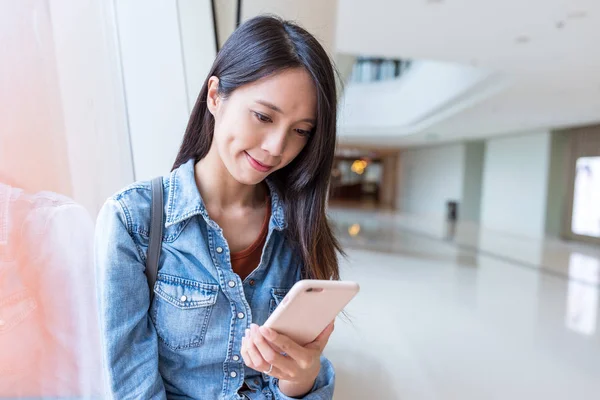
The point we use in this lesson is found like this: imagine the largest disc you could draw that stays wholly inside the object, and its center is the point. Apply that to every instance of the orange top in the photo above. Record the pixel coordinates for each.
(245, 261)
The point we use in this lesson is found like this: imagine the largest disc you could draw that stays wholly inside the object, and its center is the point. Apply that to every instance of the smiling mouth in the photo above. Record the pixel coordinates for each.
(257, 164)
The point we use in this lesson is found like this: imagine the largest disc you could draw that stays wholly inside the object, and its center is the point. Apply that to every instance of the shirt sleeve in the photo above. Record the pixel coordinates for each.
(128, 336)
(321, 390)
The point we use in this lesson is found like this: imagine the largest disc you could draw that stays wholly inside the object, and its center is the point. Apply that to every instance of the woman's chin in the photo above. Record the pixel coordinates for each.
(249, 178)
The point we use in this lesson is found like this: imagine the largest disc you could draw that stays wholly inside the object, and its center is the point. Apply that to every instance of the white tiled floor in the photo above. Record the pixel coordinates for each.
(437, 320)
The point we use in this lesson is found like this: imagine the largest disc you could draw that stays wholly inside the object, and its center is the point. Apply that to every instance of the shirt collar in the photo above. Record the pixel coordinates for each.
(184, 200)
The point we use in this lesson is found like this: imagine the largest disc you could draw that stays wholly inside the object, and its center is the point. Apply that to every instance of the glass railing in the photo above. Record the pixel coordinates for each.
(369, 69)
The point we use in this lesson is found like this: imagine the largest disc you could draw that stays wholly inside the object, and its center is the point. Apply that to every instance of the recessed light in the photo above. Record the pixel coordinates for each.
(522, 39)
(577, 15)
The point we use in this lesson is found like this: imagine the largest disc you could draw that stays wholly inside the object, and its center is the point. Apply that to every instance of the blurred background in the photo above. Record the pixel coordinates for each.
(466, 186)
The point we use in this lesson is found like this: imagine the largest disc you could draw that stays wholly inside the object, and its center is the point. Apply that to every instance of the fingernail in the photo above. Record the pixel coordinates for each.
(247, 332)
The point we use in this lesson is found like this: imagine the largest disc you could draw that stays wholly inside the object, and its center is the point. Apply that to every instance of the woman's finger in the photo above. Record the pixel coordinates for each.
(245, 355)
(301, 355)
(271, 356)
(259, 363)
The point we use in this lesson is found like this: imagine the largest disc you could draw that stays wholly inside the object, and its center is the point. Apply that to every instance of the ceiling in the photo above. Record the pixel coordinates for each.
(549, 50)
(511, 35)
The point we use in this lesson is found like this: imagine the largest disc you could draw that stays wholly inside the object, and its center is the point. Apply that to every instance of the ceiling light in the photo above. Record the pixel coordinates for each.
(577, 15)
(354, 230)
(359, 166)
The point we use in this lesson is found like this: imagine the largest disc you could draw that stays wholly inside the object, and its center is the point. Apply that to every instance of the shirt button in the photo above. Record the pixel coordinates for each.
(183, 299)
(231, 284)
(2, 322)
(233, 374)
(219, 250)
(252, 282)
(236, 358)
(241, 315)
(256, 382)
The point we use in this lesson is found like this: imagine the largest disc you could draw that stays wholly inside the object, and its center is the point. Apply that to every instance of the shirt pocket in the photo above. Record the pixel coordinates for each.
(277, 295)
(181, 310)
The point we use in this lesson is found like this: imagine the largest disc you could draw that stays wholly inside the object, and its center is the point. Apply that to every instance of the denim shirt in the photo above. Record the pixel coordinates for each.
(186, 345)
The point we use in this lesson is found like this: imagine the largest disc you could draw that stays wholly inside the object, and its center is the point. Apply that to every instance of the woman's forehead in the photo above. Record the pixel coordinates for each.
(290, 91)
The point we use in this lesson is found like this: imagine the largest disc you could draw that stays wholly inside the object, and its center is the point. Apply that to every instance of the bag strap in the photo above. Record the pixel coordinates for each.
(156, 231)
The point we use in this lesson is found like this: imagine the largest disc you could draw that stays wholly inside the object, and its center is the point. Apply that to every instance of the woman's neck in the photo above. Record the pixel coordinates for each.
(220, 190)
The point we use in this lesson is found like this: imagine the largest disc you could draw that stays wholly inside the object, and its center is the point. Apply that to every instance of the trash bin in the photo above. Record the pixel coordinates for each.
(451, 211)
(451, 218)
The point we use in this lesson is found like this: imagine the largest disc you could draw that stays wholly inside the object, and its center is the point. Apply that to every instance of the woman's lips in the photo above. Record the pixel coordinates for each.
(257, 165)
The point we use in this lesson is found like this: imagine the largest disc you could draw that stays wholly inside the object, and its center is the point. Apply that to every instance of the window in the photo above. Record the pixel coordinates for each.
(586, 198)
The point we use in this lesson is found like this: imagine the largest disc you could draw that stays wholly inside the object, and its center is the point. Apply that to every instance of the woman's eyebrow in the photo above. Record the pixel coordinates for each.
(279, 110)
(270, 105)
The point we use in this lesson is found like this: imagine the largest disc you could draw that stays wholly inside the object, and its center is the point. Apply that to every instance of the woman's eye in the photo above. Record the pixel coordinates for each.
(303, 133)
(262, 118)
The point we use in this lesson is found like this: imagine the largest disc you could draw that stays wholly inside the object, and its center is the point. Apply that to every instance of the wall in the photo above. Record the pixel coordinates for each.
(226, 15)
(389, 181)
(166, 50)
(515, 183)
(197, 43)
(344, 64)
(557, 183)
(428, 177)
(584, 141)
(470, 205)
(316, 16)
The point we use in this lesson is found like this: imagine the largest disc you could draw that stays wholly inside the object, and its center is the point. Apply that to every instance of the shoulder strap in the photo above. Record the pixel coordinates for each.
(156, 230)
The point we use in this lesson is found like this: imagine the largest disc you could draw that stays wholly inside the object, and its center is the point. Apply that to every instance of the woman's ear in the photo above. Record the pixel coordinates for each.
(212, 98)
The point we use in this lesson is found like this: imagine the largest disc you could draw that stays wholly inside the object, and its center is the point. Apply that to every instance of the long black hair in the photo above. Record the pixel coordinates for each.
(260, 47)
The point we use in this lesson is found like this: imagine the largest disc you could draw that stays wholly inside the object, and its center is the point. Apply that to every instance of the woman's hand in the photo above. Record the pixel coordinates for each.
(297, 370)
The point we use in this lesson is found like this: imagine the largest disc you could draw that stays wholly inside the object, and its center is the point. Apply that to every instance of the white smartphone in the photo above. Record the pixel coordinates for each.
(309, 307)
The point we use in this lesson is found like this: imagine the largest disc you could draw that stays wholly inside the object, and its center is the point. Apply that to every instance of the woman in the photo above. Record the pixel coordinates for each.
(244, 220)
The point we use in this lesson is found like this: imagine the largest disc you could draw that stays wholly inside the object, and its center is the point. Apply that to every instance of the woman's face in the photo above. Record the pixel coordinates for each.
(261, 127)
